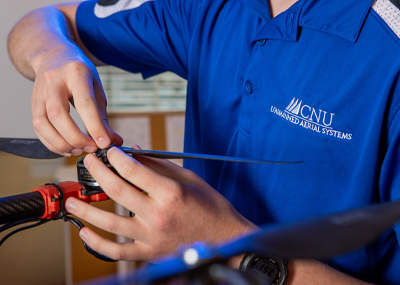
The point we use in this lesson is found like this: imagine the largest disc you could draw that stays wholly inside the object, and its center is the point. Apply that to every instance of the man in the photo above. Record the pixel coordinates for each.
(304, 80)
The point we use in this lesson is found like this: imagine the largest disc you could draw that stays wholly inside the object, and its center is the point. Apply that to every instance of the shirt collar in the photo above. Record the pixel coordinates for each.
(340, 18)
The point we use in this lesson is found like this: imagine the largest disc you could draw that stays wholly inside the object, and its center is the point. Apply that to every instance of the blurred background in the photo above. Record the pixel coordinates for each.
(148, 113)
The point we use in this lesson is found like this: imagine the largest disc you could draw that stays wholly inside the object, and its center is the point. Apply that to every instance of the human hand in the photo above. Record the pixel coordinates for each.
(64, 77)
(180, 208)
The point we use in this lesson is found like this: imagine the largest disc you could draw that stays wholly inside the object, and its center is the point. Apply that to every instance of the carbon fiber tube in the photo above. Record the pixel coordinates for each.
(21, 207)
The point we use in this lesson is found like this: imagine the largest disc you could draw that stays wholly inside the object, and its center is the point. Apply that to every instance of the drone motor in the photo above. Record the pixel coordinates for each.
(86, 179)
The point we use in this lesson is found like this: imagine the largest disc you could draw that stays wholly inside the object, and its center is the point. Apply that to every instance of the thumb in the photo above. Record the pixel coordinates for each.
(116, 139)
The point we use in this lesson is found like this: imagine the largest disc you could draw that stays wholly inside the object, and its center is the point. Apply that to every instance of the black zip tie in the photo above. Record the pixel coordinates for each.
(63, 213)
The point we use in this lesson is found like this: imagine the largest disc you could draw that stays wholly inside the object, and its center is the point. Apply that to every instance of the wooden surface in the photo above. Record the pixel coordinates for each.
(33, 256)
(157, 123)
(84, 265)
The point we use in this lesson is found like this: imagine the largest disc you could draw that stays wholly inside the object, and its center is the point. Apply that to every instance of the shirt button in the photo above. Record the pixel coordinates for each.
(249, 87)
(261, 42)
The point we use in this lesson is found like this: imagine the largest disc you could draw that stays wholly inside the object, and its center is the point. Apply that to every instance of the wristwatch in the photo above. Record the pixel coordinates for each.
(274, 271)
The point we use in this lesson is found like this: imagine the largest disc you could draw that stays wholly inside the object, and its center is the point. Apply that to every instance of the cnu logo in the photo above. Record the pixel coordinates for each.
(309, 113)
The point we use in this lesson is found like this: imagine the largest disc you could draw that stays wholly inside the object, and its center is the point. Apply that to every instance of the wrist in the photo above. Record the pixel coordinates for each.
(234, 262)
(50, 56)
(247, 228)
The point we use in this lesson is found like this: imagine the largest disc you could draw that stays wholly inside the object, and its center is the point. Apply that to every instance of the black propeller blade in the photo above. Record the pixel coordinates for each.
(318, 238)
(34, 148)
(29, 148)
(179, 155)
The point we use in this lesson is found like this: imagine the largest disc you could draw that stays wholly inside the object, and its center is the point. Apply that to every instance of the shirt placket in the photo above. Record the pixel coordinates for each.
(284, 27)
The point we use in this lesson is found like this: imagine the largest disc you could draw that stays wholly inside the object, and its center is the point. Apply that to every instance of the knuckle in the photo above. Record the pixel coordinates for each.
(116, 190)
(85, 102)
(63, 146)
(38, 121)
(76, 141)
(77, 67)
(190, 174)
(120, 254)
(162, 221)
(50, 74)
(54, 112)
(128, 169)
(111, 225)
(176, 194)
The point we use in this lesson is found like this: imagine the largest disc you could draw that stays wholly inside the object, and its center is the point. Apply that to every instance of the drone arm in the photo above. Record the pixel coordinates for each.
(44, 202)
(21, 207)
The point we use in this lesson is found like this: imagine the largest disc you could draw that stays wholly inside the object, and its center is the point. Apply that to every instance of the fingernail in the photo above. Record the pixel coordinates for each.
(67, 154)
(83, 235)
(102, 142)
(77, 151)
(89, 149)
(70, 205)
(87, 161)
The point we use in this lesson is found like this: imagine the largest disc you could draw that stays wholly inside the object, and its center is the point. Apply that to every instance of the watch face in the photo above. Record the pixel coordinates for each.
(267, 268)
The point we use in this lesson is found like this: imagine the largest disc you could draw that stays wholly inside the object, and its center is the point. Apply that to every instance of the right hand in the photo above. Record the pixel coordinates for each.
(63, 78)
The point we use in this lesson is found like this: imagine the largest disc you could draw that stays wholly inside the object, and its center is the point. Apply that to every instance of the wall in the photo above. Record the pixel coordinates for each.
(34, 256)
(15, 92)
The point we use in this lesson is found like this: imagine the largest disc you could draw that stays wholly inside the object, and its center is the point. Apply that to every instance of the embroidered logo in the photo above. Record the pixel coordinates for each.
(316, 120)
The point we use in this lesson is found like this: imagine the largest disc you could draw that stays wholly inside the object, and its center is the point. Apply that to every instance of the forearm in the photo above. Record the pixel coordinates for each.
(312, 272)
(37, 34)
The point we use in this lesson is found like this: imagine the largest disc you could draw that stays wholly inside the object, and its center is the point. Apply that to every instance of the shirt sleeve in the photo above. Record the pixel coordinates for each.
(389, 178)
(147, 36)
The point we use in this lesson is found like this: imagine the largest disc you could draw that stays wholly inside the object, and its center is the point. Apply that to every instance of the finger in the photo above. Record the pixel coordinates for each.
(140, 175)
(117, 251)
(45, 130)
(110, 222)
(57, 107)
(85, 104)
(50, 147)
(116, 188)
(102, 105)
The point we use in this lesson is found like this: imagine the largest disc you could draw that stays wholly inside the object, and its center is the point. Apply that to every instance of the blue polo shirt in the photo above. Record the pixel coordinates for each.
(318, 83)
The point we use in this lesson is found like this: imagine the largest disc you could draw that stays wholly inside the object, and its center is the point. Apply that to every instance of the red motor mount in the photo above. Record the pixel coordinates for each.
(51, 196)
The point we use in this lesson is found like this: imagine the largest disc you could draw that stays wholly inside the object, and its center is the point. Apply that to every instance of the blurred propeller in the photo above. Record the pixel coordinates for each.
(29, 148)
(318, 238)
(34, 148)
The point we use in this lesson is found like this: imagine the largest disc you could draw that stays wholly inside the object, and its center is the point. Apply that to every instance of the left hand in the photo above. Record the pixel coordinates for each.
(180, 208)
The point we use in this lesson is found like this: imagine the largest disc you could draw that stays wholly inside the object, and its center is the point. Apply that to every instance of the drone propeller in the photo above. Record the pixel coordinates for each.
(318, 238)
(34, 148)
(29, 148)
